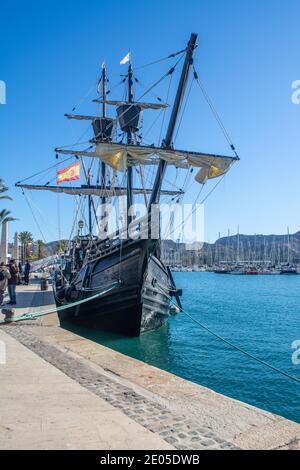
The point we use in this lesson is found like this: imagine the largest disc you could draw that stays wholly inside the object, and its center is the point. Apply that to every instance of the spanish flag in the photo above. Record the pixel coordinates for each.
(70, 173)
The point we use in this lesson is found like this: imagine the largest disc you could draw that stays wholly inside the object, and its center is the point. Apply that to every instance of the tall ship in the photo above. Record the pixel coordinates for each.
(119, 271)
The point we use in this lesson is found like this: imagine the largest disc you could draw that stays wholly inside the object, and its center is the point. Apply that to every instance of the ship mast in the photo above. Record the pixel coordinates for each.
(167, 142)
(90, 204)
(103, 166)
(129, 142)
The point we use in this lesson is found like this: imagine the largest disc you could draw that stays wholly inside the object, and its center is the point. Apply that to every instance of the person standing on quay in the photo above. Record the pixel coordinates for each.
(27, 272)
(4, 276)
(13, 281)
(20, 272)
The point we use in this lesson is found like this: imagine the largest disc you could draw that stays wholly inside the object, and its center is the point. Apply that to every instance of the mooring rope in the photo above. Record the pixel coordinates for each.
(232, 345)
(32, 315)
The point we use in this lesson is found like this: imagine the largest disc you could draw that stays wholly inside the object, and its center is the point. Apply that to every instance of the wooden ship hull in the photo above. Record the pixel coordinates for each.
(139, 303)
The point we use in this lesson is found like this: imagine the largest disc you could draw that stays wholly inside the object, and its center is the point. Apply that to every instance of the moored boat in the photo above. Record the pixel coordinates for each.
(121, 273)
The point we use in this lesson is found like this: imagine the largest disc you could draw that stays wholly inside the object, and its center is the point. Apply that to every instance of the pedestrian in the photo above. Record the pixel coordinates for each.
(27, 269)
(4, 276)
(20, 273)
(13, 281)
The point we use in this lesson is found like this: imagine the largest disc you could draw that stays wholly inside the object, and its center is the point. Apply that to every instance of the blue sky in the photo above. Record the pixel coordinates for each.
(248, 57)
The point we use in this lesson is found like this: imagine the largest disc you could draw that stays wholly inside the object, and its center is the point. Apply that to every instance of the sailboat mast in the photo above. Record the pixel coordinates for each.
(129, 142)
(288, 245)
(167, 142)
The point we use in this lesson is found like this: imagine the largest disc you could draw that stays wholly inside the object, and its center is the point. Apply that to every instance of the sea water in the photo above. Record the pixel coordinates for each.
(260, 314)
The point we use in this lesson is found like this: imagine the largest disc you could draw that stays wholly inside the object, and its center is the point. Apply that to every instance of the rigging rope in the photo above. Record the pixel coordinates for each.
(169, 72)
(165, 110)
(46, 222)
(170, 56)
(215, 112)
(83, 98)
(34, 218)
(58, 217)
(201, 202)
(46, 170)
(183, 110)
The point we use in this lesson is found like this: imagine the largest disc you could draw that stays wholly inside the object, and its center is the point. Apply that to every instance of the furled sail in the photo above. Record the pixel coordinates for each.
(210, 166)
(93, 190)
(120, 156)
(114, 162)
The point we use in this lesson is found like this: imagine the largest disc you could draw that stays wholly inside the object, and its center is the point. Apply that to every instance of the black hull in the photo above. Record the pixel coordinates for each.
(139, 303)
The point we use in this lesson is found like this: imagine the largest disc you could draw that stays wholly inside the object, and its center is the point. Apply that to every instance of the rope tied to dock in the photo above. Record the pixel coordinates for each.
(33, 315)
(232, 345)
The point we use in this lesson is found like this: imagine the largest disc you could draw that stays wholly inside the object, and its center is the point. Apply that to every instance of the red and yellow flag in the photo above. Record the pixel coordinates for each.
(70, 173)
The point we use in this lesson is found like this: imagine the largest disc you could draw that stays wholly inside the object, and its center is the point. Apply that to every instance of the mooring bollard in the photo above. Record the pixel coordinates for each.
(8, 314)
(44, 284)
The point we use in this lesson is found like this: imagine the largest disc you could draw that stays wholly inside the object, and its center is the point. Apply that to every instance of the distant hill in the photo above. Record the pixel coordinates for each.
(273, 248)
(50, 248)
(259, 248)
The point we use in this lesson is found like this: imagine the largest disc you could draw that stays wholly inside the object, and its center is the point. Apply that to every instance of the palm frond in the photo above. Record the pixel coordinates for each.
(5, 216)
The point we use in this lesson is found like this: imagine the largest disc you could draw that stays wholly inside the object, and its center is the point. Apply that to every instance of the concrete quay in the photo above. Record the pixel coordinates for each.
(61, 391)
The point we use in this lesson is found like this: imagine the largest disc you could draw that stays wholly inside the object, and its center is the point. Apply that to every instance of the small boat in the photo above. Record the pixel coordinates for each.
(288, 269)
(251, 271)
(222, 270)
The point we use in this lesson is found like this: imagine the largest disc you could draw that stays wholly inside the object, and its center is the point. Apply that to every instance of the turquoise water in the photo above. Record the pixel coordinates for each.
(258, 313)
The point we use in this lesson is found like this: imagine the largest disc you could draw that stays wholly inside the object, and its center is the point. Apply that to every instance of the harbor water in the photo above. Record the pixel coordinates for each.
(260, 314)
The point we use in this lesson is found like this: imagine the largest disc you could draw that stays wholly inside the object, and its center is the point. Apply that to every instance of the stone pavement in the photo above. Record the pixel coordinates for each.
(176, 412)
(42, 408)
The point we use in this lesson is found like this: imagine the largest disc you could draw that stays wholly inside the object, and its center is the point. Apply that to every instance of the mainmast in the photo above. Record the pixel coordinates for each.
(103, 166)
(129, 142)
(167, 142)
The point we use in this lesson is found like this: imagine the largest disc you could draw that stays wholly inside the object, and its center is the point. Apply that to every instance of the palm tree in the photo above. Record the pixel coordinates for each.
(26, 239)
(3, 189)
(4, 213)
(5, 216)
(41, 249)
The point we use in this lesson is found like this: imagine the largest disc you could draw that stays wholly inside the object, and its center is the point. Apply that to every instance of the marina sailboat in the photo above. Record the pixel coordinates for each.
(288, 267)
(122, 272)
